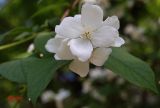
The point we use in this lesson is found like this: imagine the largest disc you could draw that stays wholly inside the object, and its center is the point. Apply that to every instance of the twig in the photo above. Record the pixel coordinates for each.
(73, 5)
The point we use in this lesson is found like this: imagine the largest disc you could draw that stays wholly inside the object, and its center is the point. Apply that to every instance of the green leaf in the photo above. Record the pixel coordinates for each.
(39, 73)
(41, 40)
(36, 72)
(46, 10)
(10, 35)
(13, 71)
(132, 69)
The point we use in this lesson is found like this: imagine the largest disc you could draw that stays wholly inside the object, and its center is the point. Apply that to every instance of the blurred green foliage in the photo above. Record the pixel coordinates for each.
(23, 20)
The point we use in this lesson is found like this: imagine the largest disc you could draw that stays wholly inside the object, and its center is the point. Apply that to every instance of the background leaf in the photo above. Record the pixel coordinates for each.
(12, 34)
(13, 71)
(39, 74)
(132, 69)
(36, 72)
(41, 40)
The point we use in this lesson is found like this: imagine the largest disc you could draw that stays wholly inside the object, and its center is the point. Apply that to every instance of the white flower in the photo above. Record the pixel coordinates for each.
(97, 73)
(85, 38)
(48, 96)
(31, 48)
(62, 94)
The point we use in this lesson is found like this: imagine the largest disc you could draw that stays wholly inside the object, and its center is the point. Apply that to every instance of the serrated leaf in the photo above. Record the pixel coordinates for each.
(132, 69)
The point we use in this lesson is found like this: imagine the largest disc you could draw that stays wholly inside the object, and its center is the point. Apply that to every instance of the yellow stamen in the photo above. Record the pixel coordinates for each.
(86, 35)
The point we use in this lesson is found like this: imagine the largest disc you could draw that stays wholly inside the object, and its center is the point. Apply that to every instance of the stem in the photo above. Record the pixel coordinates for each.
(16, 43)
(72, 6)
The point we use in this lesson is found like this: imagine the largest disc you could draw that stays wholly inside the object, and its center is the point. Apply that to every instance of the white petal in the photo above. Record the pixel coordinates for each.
(64, 52)
(78, 18)
(112, 21)
(81, 48)
(104, 36)
(53, 45)
(70, 27)
(81, 68)
(57, 57)
(92, 16)
(118, 42)
(100, 55)
(58, 36)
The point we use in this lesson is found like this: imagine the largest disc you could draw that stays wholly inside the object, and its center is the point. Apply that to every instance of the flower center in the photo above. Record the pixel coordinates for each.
(86, 35)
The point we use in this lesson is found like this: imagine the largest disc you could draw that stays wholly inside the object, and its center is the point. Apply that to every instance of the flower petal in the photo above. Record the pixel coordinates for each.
(112, 21)
(100, 55)
(92, 15)
(53, 44)
(70, 27)
(104, 36)
(64, 52)
(78, 18)
(81, 48)
(58, 36)
(118, 42)
(81, 68)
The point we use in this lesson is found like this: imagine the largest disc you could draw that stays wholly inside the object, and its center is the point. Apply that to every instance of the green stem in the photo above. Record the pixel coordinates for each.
(16, 43)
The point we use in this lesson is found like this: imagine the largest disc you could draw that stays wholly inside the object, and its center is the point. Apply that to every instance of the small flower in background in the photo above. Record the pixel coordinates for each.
(137, 33)
(87, 86)
(130, 3)
(14, 98)
(85, 38)
(49, 96)
(14, 101)
(110, 75)
(97, 73)
(31, 48)
(62, 94)
(96, 95)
